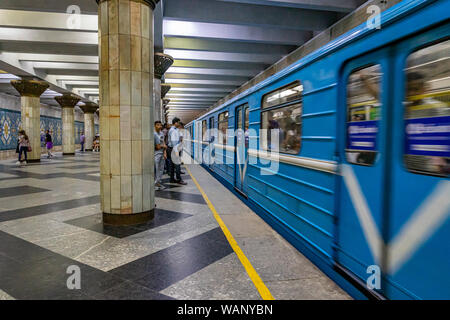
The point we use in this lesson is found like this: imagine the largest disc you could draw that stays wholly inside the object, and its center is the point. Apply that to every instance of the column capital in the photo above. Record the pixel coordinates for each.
(30, 88)
(151, 3)
(89, 107)
(67, 100)
(164, 89)
(162, 63)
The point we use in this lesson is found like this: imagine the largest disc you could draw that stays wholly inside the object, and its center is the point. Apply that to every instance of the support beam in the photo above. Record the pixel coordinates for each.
(173, 28)
(225, 46)
(89, 127)
(205, 71)
(68, 103)
(325, 5)
(213, 11)
(30, 92)
(126, 115)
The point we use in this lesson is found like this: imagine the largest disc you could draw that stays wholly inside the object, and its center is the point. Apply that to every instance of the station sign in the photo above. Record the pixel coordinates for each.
(428, 136)
(362, 135)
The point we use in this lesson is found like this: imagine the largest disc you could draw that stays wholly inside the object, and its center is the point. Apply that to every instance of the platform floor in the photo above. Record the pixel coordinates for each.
(50, 219)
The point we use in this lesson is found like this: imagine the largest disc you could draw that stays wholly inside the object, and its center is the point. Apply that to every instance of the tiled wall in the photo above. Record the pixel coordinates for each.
(10, 122)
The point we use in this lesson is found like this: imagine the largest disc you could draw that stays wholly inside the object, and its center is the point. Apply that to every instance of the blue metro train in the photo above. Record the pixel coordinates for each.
(346, 153)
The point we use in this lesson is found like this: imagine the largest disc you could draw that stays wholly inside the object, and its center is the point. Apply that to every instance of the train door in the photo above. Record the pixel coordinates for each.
(363, 123)
(418, 243)
(204, 143)
(211, 141)
(198, 141)
(241, 148)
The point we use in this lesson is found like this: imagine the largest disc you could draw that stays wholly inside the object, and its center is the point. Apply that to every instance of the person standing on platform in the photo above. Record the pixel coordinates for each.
(165, 131)
(181, 129)
(173, 152)
(82, 141)
(160, 155)
(48, 144)
(24, 146)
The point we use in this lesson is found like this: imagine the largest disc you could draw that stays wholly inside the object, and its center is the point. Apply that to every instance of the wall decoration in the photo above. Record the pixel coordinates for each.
(11, 121)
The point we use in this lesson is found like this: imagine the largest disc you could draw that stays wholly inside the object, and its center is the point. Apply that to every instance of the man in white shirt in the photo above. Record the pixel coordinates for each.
(173, 152)
(181, 130)
(160, 155)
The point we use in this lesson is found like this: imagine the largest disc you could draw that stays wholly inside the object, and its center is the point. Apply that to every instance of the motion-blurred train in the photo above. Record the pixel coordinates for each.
(346, 153)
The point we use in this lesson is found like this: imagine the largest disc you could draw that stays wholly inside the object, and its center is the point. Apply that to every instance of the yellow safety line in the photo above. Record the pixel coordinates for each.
(259, 284)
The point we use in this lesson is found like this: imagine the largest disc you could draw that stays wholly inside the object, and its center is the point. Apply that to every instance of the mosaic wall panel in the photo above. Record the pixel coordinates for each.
(10, 122)
(79, 129)
(54, 125)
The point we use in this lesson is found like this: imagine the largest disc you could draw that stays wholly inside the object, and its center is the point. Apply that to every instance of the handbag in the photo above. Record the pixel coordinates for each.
(29, 147)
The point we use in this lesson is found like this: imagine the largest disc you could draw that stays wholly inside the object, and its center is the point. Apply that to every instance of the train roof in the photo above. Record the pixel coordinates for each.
(324, 43)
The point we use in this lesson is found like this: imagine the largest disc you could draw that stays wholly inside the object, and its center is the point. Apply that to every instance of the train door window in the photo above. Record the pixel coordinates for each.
(204, 128)
(427, 110)
(282, 116)
(363, 115)
(239, 118)
(223, 126)
(211, 130)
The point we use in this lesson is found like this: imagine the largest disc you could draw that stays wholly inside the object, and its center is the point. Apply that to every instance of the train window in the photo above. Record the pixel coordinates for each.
(223, 126)
(363, 115)
(427, 110)
(292, 92)
(211, 130)
(282, 112)
(204, 128)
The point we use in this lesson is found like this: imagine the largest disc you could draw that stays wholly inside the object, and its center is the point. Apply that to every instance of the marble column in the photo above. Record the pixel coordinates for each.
(30, 92)
(162, 63)
(68, 103)
(126, 111)
(89, 109)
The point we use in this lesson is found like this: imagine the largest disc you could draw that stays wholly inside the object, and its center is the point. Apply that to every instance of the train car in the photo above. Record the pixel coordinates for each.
(357, 175)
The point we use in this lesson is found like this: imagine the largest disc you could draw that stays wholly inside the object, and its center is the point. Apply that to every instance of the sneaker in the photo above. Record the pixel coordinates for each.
(18, 162)
(182, 172)
(181, 182)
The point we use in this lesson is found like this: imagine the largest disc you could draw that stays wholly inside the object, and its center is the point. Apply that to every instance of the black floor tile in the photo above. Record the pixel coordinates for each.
(131, 291)
(21, 190)
(20, 250)
(31, 272)
(47, 208)
(181, 196)
(184, 177)
(94, 223)
(161, 269)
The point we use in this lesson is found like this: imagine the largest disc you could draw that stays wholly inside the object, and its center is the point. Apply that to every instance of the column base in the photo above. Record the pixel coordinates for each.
(33, 160)
(68, 153)
(128, 219)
